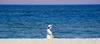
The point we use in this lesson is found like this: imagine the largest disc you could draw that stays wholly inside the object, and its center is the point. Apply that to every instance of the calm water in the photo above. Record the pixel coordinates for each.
(31, 21)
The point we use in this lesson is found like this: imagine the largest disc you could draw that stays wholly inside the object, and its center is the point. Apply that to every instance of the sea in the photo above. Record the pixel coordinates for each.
(68, 21)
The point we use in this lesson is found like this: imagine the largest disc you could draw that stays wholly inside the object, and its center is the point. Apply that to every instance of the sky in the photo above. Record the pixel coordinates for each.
(46, 2)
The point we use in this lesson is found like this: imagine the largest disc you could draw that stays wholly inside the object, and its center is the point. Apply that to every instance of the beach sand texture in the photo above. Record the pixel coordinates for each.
(51, 41)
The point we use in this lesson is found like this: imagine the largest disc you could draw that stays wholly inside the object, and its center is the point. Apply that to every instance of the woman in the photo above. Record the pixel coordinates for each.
(49, 33)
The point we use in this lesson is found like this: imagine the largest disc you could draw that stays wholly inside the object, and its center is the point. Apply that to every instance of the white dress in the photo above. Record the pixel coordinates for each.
(48, 33)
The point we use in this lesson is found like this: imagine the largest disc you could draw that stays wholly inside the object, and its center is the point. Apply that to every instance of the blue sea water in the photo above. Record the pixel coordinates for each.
(31, 21)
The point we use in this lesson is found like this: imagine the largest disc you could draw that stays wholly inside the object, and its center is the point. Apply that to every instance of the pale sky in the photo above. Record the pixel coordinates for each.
(46, 2)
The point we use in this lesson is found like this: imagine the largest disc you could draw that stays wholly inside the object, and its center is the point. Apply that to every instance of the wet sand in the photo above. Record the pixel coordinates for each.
(51, 41)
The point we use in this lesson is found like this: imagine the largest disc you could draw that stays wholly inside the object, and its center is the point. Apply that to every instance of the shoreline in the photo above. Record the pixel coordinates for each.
(51, 41)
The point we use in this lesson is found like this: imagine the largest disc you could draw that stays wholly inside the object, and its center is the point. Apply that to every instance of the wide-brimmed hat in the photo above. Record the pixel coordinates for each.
(49, 25)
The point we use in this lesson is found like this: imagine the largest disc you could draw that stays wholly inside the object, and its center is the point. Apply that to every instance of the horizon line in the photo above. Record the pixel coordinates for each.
(49, 4)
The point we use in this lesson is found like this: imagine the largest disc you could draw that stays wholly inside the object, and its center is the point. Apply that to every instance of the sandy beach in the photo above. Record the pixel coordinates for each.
(51, 41)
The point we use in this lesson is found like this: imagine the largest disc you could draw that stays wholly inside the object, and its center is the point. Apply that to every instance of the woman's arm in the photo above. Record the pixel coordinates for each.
(52, 35)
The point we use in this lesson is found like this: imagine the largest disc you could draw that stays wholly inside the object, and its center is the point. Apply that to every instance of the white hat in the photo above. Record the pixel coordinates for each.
(49, 25)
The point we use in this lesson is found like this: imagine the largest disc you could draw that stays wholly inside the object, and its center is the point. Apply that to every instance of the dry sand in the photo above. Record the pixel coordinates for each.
(51, 41)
